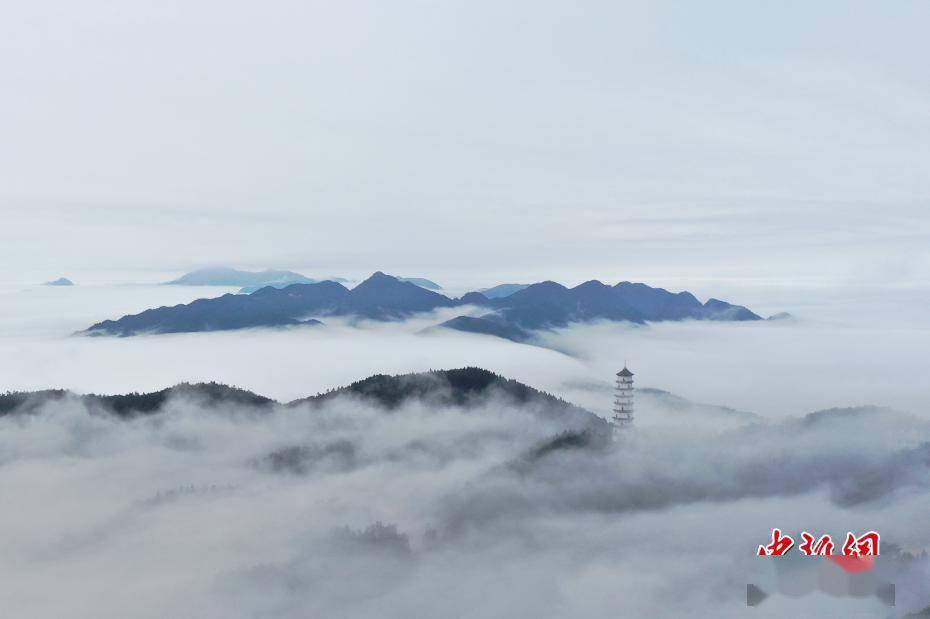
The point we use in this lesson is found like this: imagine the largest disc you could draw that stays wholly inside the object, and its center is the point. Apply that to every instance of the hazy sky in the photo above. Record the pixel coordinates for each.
(665, 141)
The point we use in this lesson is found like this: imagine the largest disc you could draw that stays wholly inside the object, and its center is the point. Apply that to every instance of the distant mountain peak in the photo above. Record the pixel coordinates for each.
(591, 284)
(538, 291)
(380, 279)
(385, 297)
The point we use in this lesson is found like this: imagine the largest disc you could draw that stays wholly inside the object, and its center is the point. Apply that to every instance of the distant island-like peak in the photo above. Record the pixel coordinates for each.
(227, 276)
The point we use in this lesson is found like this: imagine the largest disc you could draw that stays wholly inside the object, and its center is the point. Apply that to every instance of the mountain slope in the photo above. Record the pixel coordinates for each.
(220, 314)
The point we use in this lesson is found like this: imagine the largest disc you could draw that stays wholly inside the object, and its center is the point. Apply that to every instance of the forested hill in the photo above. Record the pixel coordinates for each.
(134, 404)
(460, 387)
(463, 387)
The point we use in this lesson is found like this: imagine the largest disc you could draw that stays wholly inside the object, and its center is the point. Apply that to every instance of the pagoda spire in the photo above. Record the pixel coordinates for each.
(623, 399)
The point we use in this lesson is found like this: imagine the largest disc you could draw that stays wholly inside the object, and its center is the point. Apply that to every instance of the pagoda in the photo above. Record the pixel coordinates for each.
(623, 399)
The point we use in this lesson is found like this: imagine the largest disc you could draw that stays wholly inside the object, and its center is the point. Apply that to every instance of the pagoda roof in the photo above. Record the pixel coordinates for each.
(624, 372)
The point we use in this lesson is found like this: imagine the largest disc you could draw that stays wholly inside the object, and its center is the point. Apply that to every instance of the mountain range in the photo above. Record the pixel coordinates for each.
(548, 304)
(383, 297)
(463, 387)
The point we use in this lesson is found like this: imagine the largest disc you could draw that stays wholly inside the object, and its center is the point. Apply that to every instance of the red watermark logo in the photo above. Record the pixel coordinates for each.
(866, 545)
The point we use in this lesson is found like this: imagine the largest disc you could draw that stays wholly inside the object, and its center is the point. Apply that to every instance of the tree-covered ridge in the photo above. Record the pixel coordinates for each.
(28, 401)
(461, 387)
(454, 387)
(134, 403)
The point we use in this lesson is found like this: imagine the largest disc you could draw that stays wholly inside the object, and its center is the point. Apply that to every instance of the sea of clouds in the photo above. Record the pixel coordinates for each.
(352, 511)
